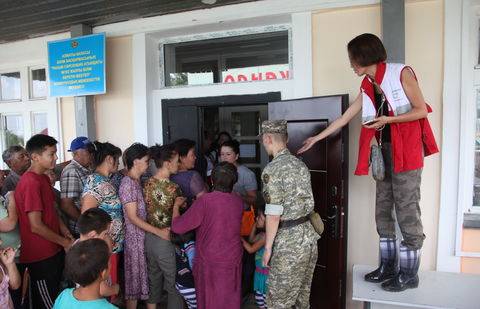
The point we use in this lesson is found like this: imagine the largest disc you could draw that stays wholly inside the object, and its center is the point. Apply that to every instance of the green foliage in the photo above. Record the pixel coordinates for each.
(13, 139)
(178, 79)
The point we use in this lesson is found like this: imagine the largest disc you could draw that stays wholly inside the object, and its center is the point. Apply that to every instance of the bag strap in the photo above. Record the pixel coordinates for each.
(379, 90)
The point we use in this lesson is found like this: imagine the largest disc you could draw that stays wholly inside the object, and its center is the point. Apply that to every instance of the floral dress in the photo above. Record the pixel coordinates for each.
(5, 299)
(136, 280)
(104, 192)
(160, 195)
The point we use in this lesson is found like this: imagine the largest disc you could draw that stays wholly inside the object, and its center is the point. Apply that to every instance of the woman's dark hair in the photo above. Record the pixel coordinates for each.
(160, 154)
(259, 209)
(93, 219)
(223, 133)
(86, 260)
(134, 152)
(183, 146)
(233, 144)
(101, 151)
(224, 176)
(366, 49)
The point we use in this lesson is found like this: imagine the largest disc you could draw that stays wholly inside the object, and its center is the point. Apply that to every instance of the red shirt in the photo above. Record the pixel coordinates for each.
(35, 193)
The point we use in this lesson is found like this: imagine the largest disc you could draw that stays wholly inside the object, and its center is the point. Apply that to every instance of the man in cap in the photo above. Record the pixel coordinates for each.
(73, 179)
(291, 241)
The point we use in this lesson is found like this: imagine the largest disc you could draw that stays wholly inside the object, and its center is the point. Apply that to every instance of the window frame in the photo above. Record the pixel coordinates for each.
(30, 82)
(3, 142)
(469, 85)
(32, 119)
(27, 107)
(12, 70)
(221, 35)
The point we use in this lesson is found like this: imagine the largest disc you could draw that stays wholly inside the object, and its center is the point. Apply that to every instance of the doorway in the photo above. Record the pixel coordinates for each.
(241, 117)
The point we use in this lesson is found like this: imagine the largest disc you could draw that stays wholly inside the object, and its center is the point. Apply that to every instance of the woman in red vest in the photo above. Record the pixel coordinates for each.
(395, 113)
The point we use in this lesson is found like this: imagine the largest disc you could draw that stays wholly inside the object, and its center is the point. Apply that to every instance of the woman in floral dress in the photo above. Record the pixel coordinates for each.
(136, 159)
(99, 192)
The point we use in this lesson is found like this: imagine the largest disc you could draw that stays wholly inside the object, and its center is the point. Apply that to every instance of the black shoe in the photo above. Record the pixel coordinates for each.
(386, 270)
(401, 282)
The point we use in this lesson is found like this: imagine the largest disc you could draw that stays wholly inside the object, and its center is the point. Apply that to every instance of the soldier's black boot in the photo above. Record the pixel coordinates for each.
(388, 262)
(407, 278)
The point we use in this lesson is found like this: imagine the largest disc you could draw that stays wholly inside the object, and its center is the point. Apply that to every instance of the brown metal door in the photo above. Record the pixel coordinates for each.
(328, 164)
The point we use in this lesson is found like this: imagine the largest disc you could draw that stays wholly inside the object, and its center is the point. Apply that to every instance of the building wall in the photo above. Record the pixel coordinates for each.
(471, 243)
(113, 110)
(67, 110)
(20, 56)
(332, 75)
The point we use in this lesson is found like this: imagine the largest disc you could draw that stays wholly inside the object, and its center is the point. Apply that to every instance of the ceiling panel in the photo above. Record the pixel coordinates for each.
(23, 19)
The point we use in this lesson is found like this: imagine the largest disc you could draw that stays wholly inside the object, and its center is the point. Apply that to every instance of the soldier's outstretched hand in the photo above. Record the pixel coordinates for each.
(267, 254)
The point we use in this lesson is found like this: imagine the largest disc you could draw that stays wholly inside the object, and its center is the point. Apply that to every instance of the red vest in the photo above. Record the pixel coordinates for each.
(411, 141)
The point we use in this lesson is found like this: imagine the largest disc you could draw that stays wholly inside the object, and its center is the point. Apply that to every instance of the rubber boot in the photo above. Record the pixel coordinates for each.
(388, 262)
(407, 278)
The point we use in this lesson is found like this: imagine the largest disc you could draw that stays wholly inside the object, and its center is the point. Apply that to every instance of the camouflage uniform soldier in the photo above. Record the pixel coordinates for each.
(291, 241)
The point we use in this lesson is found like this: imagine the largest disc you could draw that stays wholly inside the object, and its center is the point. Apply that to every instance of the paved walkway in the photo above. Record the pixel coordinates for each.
(249, 304)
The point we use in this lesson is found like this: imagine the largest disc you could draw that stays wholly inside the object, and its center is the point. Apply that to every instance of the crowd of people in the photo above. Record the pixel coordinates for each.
(172, 225)
(157, 250)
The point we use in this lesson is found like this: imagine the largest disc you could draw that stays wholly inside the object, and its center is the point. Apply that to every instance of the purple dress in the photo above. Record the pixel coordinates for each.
(216, 218)
(191, 183)
(136, 280)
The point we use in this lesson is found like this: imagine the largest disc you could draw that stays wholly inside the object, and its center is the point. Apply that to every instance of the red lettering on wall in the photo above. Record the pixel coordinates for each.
(270, 75)
(229, 79)
(255, 77)
(233, 78)
(284, 74)
(241, 78)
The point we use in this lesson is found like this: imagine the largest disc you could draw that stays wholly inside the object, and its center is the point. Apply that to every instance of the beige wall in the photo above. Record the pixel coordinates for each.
(333, 75)
(67, 110)
(114, 110)
(471, 243)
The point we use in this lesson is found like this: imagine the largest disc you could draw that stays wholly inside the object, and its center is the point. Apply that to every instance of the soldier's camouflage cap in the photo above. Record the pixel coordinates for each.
(274, 126)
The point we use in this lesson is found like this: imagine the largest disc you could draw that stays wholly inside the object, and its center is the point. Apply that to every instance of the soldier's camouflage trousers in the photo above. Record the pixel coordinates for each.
(291, 271)
(399, 191)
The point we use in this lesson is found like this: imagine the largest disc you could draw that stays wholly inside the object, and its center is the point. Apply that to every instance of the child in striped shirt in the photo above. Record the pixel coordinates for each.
(184, 255)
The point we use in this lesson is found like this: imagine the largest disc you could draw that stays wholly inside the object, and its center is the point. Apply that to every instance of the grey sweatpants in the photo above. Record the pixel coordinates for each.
(161, 269)
(402, 192)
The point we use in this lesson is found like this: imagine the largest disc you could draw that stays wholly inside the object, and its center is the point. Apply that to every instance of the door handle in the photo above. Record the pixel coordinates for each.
(334, 191)
(333, 221)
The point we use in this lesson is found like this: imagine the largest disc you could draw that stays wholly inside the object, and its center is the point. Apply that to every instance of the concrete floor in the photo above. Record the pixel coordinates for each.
(249, 303)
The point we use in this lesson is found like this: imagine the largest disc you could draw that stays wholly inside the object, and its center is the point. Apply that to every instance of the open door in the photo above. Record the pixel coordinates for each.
(328, 164)
(181, 122)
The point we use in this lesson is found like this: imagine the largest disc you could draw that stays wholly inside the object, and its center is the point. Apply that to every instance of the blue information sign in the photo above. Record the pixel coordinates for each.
(77, 66)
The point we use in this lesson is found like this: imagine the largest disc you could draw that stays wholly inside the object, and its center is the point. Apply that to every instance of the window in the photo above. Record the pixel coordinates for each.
(10, 87)
(25, 108)
(38, 83)
(243, 58)
(12, 130)
(40, 123)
